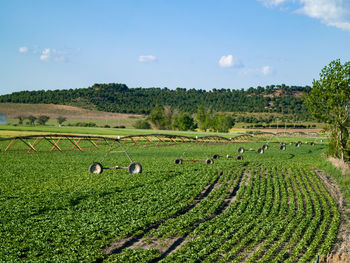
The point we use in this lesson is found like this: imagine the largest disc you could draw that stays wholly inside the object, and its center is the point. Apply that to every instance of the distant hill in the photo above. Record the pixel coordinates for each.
(121, 99)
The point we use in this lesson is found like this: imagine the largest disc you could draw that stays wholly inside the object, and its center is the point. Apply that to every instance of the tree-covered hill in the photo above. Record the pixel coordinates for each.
(119, 98)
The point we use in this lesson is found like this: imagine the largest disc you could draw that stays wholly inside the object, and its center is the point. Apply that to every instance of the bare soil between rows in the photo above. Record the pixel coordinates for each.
(169, 245)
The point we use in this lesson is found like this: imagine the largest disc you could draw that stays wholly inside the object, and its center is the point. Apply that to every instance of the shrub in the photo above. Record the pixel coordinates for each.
(142, 124)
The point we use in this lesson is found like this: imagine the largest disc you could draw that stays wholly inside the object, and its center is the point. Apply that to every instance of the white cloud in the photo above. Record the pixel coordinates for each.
(23, 49)
(330, 12)
(229, 61)
(54, 55)
(266, 70)
(148, 58)
(272, 2)
(59, 55)
(48, 54)
(45, 54)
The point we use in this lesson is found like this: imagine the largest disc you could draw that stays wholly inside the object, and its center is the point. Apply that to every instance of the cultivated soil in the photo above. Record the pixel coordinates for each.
(12, 110)
(169, 245)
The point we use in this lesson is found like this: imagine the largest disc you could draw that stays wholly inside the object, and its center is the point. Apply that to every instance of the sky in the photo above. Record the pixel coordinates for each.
(200, 44)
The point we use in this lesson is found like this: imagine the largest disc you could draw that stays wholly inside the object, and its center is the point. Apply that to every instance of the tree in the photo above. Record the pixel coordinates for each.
(223, 123)
(184, 122)
(201, 116)
(20, 119)
(204, 118)
(42, 119)
(31, 119)
(158, 118)
(329, 101)
(61, 120)
(142, 124)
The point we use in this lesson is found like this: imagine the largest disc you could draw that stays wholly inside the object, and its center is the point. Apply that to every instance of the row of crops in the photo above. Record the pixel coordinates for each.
(269, 207)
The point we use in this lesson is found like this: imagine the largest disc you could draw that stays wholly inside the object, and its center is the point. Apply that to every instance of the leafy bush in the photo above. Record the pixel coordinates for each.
(86, 124)
(142, 124)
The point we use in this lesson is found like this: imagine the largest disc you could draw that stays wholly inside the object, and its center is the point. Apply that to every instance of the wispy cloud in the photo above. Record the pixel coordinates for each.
(54, 55)
(229, 61)
(257, 72)
(330, 12)
(271, 3)
(147, 58)
(23, 49)
(46, 54)
(266, 70)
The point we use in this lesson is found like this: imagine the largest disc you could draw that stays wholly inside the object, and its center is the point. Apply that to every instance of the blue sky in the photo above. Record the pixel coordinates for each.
(201, 44)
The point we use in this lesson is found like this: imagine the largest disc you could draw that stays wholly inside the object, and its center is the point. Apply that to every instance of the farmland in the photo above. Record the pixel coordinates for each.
(270, 207)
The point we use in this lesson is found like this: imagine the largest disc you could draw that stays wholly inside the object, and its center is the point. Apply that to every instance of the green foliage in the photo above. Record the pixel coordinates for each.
(114, 97)
(267, 208)
(184, 122)
(215, 122)
(329, 101)
(20, 119)
(42, 119)
(85, 124)
(202, 118)
(31, 119)
(159, 117)
(61, 120)
(223, 123)
(142, 124)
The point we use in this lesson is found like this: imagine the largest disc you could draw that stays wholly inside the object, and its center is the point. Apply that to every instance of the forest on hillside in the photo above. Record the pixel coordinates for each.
(114, 97)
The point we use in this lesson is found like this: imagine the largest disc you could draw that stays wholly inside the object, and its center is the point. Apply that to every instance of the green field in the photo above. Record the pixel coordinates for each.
(11, 131)
(269, 207)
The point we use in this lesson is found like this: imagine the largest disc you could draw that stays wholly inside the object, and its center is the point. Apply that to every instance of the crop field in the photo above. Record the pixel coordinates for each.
(270, 207)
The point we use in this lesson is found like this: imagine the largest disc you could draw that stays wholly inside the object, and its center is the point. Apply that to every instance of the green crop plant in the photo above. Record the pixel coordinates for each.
(269, 207)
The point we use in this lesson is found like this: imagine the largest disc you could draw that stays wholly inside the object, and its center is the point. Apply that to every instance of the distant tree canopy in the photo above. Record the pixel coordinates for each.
(142, 124)
(159, 118)
(20, 119)
(31, 119)
(208, 120)
(61, 120)
(184, 122)
(42, 119)
(119, 98)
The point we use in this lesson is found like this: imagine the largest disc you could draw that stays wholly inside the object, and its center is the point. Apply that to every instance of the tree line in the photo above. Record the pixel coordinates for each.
(163, 118)
(40, 120)
(119, 98)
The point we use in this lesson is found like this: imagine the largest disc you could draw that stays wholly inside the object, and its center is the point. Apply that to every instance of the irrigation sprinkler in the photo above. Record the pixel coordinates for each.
(209, 161)
(282, 146)
(201, 142)
(206, 161)
(133, 167)
(240, 150)
(216, 156)
(260, 151)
